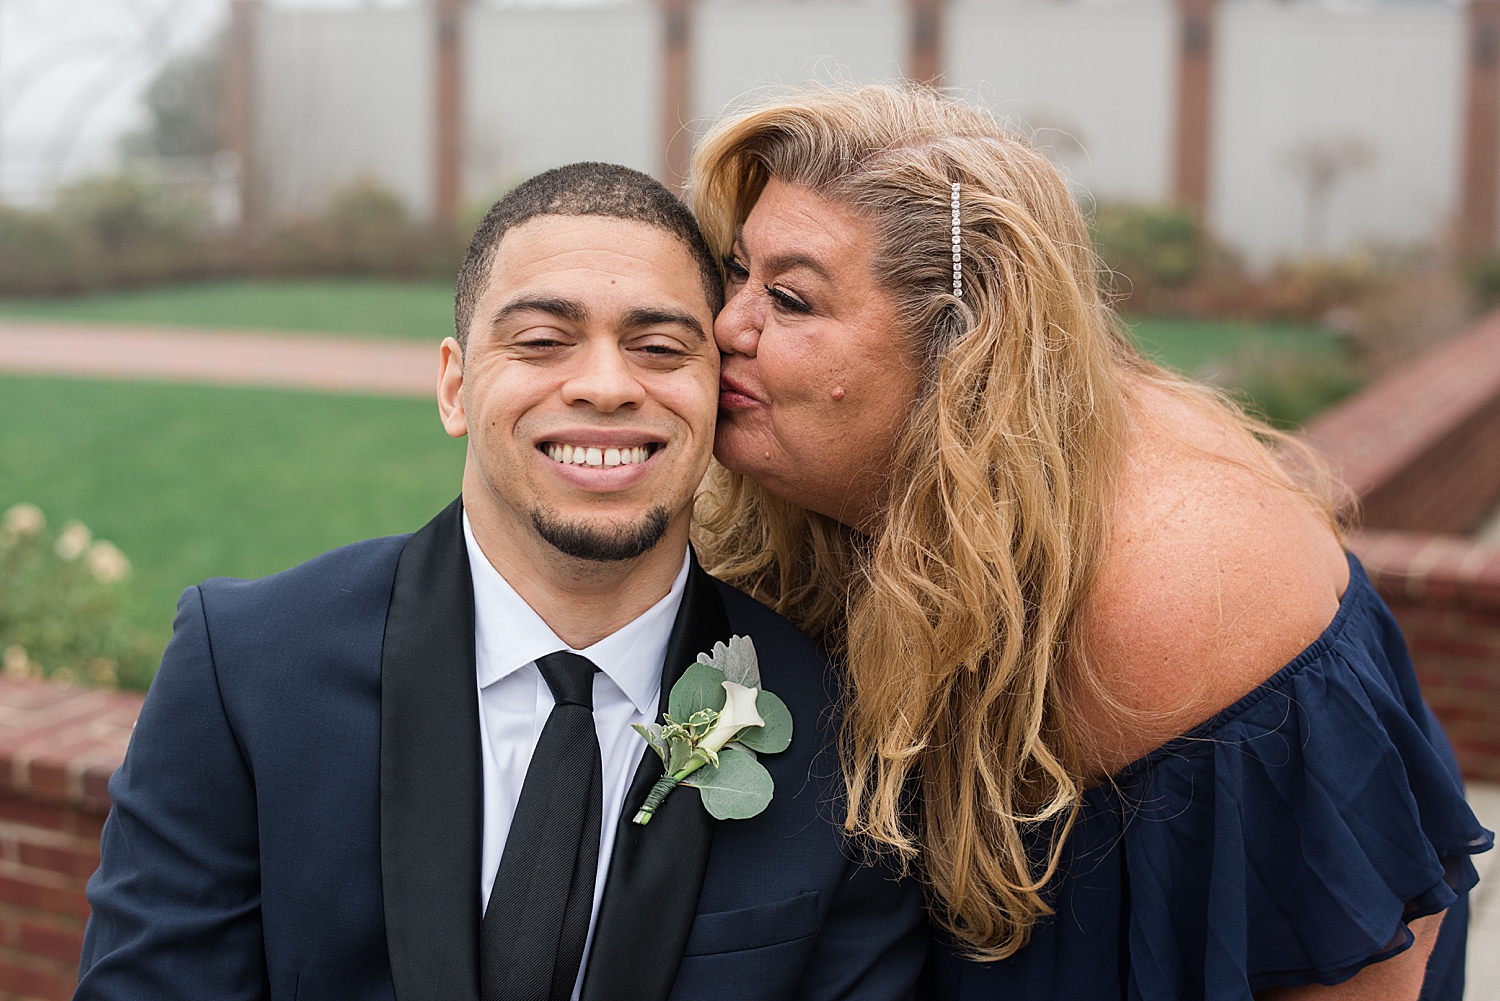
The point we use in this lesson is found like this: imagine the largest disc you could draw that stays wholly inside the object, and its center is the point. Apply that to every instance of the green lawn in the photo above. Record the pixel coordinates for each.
(1286, 372)
(193, 482)
(1192, 346)
(414, 310)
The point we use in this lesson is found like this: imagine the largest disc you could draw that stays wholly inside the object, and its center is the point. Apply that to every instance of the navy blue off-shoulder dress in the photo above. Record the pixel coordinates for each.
(1286, 841)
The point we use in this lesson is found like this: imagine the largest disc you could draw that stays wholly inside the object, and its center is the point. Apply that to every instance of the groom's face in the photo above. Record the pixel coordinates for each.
(589, 385)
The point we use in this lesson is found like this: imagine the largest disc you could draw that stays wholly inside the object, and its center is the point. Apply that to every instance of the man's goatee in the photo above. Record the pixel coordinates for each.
(609, 544)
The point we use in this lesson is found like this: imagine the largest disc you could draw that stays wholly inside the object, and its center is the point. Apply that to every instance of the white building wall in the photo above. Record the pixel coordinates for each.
(343, 95)
(548, 86)
(1093, 82)
(748, 48)
(1389, 76)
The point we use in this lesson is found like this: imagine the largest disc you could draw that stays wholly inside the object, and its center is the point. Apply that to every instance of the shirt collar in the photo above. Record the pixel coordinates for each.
(509, 634)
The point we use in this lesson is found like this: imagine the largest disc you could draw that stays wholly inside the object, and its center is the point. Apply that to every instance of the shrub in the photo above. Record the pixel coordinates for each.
(38, 254)
(119, 230)
(1286, 384)
(129, 229)
(1483, 277)
(1150, 247)
(59, 609)
(365, 229)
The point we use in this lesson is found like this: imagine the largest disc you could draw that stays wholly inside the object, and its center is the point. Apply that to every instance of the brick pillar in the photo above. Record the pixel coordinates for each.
(924, 51)
(447, 172)
(58, 748)
(238, 107)
(1481, 151)
(1195, 51)
(676, 92)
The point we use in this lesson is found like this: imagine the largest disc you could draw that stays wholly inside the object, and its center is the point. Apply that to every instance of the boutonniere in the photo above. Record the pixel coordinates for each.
(718, 718)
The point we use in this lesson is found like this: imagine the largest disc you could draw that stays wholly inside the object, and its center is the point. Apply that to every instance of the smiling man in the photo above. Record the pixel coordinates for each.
(405, 769)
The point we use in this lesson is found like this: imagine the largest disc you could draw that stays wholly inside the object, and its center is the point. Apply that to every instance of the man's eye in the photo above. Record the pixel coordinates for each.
(737, 272)
(787, 301)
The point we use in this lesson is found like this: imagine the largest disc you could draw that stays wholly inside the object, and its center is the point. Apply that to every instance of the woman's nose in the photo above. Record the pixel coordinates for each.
(737, 329)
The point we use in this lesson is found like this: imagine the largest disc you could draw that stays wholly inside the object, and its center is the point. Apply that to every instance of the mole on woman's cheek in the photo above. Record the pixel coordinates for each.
(838, 392)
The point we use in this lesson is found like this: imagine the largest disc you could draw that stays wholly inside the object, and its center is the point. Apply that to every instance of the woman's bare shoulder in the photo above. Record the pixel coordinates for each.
(1215, 577)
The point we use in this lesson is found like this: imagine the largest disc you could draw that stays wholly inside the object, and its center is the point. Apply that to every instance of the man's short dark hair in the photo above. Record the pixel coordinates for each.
(603, 189)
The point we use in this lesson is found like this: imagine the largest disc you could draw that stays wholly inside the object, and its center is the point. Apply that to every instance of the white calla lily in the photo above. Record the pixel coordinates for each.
(739, 712)
(710, 741)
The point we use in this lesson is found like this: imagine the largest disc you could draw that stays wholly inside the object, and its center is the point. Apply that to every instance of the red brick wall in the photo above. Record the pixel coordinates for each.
(1421, 448)
(1445, 592)
(58, 748)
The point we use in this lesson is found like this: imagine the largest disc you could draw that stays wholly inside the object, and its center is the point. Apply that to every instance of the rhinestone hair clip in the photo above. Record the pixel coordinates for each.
(958, 271)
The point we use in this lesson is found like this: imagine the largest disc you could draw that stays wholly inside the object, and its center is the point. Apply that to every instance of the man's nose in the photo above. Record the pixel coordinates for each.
(738, 326)
(604, 381)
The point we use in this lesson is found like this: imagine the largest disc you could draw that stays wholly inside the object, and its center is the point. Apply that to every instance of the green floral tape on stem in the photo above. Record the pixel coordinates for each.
(658, 792)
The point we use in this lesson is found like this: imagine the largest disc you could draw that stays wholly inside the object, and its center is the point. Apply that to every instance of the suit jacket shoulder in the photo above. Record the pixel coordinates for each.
(325, 590)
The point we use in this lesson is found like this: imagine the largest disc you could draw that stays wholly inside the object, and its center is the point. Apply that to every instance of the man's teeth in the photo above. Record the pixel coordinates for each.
(584, 455)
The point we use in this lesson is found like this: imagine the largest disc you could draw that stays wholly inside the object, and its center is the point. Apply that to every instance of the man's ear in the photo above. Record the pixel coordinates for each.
(450, 388)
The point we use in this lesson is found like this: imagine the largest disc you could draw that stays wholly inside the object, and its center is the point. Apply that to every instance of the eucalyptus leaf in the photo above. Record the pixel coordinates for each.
(735, 745)
(736, 790)
(700, 687)
(776, 734)
(738, 661)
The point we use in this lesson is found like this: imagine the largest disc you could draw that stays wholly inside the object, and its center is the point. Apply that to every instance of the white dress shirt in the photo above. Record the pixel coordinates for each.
(514, 703)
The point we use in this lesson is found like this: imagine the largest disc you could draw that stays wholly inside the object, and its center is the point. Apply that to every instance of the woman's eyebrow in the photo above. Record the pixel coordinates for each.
(787, 262)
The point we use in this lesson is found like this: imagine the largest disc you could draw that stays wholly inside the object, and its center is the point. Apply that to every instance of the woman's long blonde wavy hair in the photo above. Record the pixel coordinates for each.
(955, 614)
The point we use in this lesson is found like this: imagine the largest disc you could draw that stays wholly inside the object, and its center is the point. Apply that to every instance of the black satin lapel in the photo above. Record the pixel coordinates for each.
(431, 791)
(656, 872)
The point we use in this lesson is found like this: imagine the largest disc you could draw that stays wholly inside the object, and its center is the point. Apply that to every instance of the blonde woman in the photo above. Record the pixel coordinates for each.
(1116, 690)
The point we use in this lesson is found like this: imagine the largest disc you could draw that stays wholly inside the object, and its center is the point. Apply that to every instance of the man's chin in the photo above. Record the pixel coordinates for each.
(611, 542)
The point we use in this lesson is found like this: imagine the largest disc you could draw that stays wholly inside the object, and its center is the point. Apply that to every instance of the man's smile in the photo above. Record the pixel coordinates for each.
(598, 456)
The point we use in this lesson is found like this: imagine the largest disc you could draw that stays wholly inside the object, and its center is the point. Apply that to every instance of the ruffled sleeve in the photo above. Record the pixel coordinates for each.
(1287, 841)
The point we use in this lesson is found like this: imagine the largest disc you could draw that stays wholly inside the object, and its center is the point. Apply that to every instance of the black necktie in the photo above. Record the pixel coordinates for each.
(532, 937)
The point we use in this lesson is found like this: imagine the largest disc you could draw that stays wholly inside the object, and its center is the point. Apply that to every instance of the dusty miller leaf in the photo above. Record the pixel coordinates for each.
(738, 661)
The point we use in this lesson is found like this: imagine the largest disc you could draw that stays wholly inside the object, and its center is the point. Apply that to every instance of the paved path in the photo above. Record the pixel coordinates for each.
(236, 357)
(1484, 904)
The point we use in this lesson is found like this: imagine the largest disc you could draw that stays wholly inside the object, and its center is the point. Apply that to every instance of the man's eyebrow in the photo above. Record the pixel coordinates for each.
(564, 309)
(658, 316)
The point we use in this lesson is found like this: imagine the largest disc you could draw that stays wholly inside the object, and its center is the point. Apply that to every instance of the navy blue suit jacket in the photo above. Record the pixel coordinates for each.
(299, 814)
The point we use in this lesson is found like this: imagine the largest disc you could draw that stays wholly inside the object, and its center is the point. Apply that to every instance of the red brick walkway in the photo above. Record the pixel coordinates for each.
(239, 358)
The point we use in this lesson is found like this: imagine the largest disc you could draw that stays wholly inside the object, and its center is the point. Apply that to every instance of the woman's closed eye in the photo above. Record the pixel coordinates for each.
(784, 300)
(736, 271)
